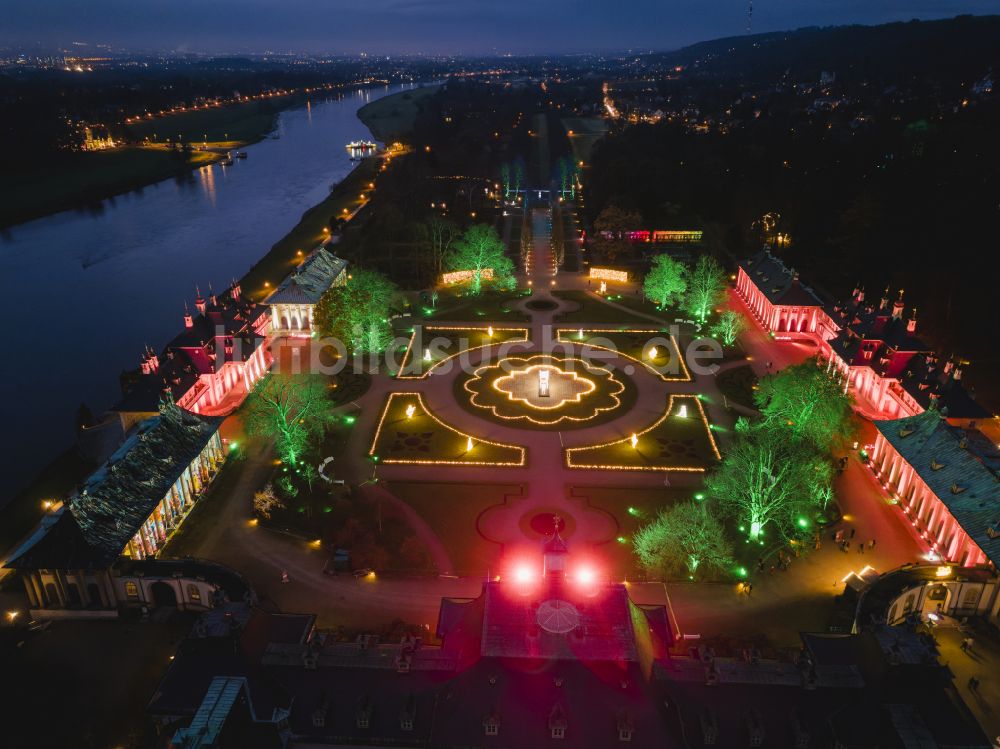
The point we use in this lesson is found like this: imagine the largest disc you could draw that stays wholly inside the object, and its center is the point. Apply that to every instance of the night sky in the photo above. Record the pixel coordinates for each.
(433, 26)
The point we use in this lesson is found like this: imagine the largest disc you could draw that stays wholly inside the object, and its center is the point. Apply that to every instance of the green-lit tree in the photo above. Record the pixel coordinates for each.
(808, 404)
(729, 326)
(706, 287)
(665, 281)
(517, 175)
(505, 179)
(684, 540)
(292, 410)
(357, 313)
(767, 479)
(479, 249)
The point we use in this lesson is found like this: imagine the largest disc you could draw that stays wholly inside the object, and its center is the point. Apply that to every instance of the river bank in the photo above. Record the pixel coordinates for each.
(82, 180)
(129, 256)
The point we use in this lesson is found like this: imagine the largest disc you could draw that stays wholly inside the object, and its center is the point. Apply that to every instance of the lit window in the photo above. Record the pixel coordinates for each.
(194, 593)
(131, 589)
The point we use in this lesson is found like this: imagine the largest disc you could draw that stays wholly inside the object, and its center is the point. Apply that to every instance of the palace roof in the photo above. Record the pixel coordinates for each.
(119, 496)
(780, 284)
(960, 466)
(230, 322)
(307, 283)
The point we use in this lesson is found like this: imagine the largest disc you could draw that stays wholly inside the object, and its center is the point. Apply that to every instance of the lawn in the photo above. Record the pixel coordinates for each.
(614, 394)
(454, 305)
(444, 343)
(284, 255)
(591, 309)
(420, 438)
(680, 440)
(632, 508)
(738, 384)
(392, 117)
(638, 344)
(452, 511)
(583, 133)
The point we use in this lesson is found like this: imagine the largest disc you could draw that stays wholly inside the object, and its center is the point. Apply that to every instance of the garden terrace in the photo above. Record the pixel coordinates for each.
(680, 440)
(408, 433)
(636, 344)
(445, 343)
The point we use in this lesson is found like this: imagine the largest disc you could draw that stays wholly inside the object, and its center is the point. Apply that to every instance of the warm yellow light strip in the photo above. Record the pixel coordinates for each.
(686, 377)
(466, 328)
(609, 274)
(426, 412)
(620, 467)
(567, 417)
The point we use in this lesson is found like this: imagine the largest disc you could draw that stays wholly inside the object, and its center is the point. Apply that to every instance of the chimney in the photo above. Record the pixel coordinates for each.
(235, 293)
(144, 365)
(188, 320)
(911, 324)
(199, 301)
(897, 307)
(884, 302)
(861, 295)
(958, 374)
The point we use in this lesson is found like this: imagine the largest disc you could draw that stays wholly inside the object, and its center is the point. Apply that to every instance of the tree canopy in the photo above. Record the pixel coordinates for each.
(706, 286)
(766, 479)
(808, 404)
(357, 313)
(479, 249)
(665, 281)
(729, 326)
(609, 240)
(292, 410)
(683, 540)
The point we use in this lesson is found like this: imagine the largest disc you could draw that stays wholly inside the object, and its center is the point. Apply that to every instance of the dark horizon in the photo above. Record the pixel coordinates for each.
(434, 27)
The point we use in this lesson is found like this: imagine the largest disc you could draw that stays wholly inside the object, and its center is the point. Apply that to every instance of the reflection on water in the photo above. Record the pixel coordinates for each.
(88, 289)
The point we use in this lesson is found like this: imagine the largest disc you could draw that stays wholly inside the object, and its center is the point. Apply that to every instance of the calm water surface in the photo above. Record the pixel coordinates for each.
(87, 290)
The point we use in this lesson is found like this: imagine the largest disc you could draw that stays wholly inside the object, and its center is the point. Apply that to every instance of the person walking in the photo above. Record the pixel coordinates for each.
(871, 544)
(853, 531)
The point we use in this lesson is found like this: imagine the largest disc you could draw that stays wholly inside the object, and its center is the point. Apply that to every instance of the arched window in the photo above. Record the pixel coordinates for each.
(131, 589)
(194, 593)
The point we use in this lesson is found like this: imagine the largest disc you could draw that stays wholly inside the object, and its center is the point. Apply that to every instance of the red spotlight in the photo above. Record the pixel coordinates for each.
(586, 576)
(523, 574)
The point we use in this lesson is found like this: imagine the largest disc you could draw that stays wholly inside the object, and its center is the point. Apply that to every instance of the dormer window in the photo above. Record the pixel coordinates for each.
(558, 732)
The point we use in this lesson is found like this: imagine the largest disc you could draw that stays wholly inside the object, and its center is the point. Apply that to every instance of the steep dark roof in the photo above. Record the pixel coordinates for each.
(779, 283)
(118, 497)
(949, 461)
(310, 280)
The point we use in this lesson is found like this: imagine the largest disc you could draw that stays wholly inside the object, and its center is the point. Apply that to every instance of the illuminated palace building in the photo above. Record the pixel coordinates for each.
(928, 453)
(124, 512)
(209, 367)
(293, 301)
(872, 346)
(548, 654)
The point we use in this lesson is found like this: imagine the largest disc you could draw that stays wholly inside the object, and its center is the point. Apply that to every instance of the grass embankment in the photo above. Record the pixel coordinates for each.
(284, 255)
(392, 117)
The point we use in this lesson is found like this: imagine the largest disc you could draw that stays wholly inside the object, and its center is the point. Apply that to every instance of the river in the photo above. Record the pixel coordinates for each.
(87, 290)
